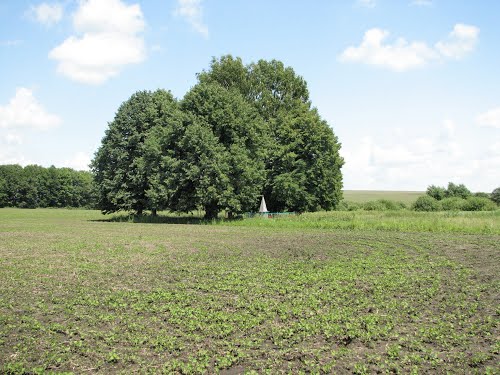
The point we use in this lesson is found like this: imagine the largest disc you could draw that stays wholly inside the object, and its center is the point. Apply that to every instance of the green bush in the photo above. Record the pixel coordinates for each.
(479, 204)
(348, 206)
(426, 203)
(482, 194)
(460, 191)
(436, 192)
(384, 205)
(392, 205)
(495, 196)
(453, 204)
(374, 206)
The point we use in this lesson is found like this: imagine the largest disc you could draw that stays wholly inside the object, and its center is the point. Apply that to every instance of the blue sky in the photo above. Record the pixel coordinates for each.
(410, 87)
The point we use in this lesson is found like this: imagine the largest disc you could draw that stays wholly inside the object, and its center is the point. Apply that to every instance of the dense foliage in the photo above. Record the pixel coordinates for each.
(120, 174)
(495, 195)
(239, 133)
(302, 158)
(426, 203)
(453, 191)
(456, 197)
(34, 186)
(472, 203)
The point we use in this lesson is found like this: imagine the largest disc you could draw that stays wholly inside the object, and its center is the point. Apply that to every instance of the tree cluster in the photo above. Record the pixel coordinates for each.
(241, 132)
(34, 186)
(453, 190)
(456, 198)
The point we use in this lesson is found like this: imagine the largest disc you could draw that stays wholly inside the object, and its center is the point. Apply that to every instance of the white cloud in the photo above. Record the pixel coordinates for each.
(192, 11)
(13, 157)
(402, 55)
(460, 41)
(108, 38)
(23, 110)
(10, 152)
(13, 139)
(108, 16)
(494, 149)
(399, 56)
(412, 163)
(47, 14)
(490, 118)
(80, 162)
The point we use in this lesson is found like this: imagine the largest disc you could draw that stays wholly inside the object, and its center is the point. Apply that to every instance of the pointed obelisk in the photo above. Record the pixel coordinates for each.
(263, 207)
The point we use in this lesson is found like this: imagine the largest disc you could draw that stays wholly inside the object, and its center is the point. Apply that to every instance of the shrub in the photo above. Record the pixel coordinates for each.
(374, 206)
(479, 204)
(453, 204)
(426, 203)
(495, 195)
(436, 192)
(457, 191)
(392, 205)
(482, 195)
(348, 206)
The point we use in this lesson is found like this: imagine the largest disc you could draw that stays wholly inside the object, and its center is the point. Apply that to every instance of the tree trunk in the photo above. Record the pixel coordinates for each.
(211, 212)
(153, 212)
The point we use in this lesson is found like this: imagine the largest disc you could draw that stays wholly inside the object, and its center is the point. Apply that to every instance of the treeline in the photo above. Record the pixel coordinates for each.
(34, 186)
(456, 197)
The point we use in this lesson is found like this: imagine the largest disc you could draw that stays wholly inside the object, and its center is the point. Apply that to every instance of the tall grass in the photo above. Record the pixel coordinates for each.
(408, 221)
(485, 222)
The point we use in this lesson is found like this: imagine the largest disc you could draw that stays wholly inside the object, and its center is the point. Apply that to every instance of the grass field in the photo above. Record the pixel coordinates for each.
(85, 294)
(361, 196)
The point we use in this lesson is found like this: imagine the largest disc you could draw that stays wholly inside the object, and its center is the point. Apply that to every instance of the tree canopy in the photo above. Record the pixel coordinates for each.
(241, 132)
(495, 196)
(34, 186)
(118, 166)
(303, 165)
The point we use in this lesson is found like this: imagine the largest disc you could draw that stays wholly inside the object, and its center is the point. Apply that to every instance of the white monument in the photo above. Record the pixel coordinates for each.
(263, 207)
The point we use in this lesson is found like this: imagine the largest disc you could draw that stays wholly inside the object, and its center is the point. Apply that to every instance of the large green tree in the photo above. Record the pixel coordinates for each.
(121, 178)
(214, 159)
(495, 196)
(240, 132)
(242, 139)
(303, 165)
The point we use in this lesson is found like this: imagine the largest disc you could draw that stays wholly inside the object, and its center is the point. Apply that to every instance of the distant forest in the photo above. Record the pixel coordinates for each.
(34, 186)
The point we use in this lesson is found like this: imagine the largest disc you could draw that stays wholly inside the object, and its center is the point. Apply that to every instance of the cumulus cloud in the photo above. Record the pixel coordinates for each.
(24, 110)
(47, 14)
(108, 38)
(402, 55)
(460, 41)
(10, 156)
(412, 163)
(80, 161)
(192, 11)
(399, 56)
(13, 139)
(490, 118)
